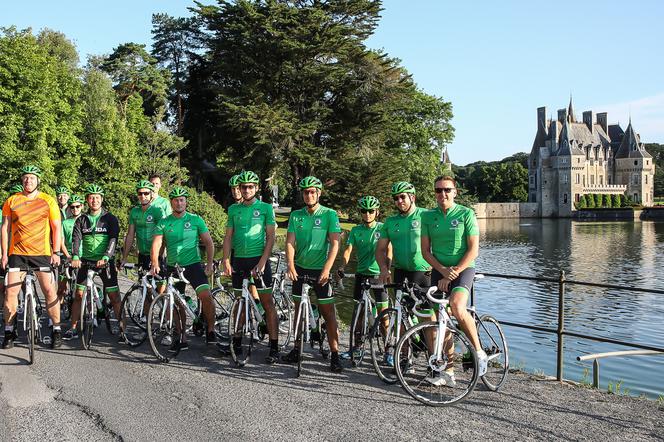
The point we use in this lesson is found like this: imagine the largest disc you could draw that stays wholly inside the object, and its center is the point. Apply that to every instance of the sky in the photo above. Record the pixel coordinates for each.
(496, 62)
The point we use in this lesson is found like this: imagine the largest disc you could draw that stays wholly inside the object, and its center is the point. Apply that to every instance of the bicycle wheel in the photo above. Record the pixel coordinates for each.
(493, 342)
(382, 342)
(162, 330)
(133, 317)
(31, 322)
(86, 322)
(435, 382)
(112, 322)
(300, 339)
(222, 304)
(323, 345)
(285, 318)
(358, 335)
(241, 341)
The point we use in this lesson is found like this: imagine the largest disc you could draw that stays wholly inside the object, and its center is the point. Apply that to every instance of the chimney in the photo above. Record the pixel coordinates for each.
(602, 121)
(541, 116)
(554, 131)
(562, 115)
(588, 120)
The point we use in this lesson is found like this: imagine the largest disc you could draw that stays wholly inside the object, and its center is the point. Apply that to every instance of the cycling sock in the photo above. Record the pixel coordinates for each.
(335, 354)
(274, 344)
(56, 328)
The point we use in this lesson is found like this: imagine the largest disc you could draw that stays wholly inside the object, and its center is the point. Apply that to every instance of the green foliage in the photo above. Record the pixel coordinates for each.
(624, 201)
(498, 181)
(590, 199)
(657, 152)
(615, 200)
(606, 201)
(618, 389)
(583, 202)
(598, 200)
(202, 204)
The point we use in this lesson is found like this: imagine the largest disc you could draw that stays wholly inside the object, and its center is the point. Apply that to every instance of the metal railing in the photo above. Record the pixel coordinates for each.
(560, 331)
(597, 356)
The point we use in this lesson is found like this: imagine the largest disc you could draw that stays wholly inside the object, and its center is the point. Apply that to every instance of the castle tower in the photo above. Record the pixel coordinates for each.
(634, 167)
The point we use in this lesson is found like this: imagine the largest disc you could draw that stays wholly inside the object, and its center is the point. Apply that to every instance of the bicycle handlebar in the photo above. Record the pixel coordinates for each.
(30, 269)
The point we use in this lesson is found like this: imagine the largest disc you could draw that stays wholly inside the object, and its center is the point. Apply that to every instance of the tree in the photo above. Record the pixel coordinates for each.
(598, 200)
(583, 202)
(606, 201)
(590, 201)
(615, 201)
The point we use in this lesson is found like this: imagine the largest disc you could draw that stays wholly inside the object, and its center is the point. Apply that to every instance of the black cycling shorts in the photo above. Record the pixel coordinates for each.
(379, 294)
(423, 279)
(242, 268)
(195, 274)
(323, 292)
(25, 261)
(145, 263)
(108, 275)
(464, 282)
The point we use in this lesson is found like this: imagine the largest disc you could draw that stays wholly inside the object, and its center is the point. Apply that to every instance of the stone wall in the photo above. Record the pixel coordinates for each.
(506, 210)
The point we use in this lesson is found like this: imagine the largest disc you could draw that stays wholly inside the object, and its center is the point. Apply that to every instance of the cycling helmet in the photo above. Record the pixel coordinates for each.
(178, 192)
(34, 170)
(145, 184)
(94, 189)
(234, 181)
(16, 188)
(368, 202)
(75, 199)
(59, 190)
(310, 181)
(402, 187)
(246, 177)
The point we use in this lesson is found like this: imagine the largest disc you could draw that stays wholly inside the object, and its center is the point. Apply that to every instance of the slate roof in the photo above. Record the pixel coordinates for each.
(631, 146)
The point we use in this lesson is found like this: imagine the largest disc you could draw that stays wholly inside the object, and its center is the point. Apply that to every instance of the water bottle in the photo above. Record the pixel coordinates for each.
(190, 303)
(259, 307)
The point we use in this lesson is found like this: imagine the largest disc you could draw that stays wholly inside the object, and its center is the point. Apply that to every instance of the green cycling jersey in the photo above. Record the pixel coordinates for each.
(181, 236)
(311, 235)
(404, 231)
(364, 239)
(448, 233)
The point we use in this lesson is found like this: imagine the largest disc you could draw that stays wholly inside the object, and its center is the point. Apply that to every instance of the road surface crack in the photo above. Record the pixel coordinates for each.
(96, 417)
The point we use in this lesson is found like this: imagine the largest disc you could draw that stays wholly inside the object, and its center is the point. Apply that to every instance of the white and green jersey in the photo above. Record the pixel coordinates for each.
(181, 236)
(248, 223)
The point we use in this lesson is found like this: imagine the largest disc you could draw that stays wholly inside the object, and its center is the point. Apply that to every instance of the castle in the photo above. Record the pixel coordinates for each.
(571, 158)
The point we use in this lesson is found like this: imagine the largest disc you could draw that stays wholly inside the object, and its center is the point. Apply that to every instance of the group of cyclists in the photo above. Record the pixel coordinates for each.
(427, 247)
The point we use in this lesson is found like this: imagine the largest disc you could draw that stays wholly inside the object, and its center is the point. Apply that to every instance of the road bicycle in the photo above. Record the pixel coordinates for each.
(95, 305)
(243, 323)
(135, 302)
(68, 297)
(362, 320)
(283, 302)
(308, 326)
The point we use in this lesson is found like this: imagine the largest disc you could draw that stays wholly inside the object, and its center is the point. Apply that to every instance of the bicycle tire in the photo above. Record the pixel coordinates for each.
(31, 329)
(382, 344)
(414, 367)
(221, 307)
(356, 346)
(131, 311)
(303, 324)
(236, 329)
(493, 342)
(112, 323)
(86, 322)
(285, 323)
(162, 332)
(323, 345)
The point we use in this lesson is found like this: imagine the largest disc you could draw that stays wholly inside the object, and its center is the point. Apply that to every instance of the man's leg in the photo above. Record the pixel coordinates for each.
(47, 285)
(458, 303)
(12, 287)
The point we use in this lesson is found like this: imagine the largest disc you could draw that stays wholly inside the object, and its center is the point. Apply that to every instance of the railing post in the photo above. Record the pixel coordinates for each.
(596, 373)
(561, 322)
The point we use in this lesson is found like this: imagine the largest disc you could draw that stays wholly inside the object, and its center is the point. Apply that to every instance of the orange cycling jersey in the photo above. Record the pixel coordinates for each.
(31, 223)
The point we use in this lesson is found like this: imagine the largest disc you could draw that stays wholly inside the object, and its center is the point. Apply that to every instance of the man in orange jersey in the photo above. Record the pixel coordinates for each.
(32, 220)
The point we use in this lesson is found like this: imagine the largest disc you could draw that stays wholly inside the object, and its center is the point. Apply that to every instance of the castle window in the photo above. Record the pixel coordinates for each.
(636, 197)
(636, 162)
(578, 178)
(565, 199)
(577, 197)
(564, 178)
(601, 180)
(592, 180)
(601, 162)
(646, 178)
(592, 162)
(584, 180)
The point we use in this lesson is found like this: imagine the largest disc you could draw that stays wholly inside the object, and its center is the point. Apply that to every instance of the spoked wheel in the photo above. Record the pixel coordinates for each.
(435, 382)
(86, 322)
(285, 318)
(112, 323)
(31, 323)
(162, 329)
(133, 316)
(358, 335)
(222, 305)
(494, 344)
(300, 340)
(241, 341)
(65, 307)
(383, 339)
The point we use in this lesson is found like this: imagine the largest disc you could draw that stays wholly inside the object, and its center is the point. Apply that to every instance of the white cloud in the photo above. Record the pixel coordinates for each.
(647, 116)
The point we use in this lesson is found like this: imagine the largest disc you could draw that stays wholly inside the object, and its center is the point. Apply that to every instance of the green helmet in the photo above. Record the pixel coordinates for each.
(16, 188)
(310, 181)
(75, 199)
(145, 184)
(402, 187)
(234, 181)
(247, 176)
(94, 189)
(34, 170)
(368, 202)
(178, 192)
(59, 190)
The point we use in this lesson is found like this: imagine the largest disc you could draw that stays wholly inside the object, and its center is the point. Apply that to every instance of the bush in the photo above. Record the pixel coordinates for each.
(598, 200)
(606, 201)
(590, 201)
(615, 201)
(582, 204)
(204, 205)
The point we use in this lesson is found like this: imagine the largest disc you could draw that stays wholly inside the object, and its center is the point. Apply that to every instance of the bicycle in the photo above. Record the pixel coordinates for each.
(133, 306)
(308, 327)
(243, 324)
(283, 303)
(31, 312)
(363, 319)
(166, 327)
(425, 368)
(68, 298)
(93, 305)
(388, 328)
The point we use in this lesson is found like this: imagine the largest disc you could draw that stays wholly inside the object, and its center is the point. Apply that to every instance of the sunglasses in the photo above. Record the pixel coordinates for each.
(402, 196)
(309, 191)
(143, 193)
(247, 186)
(444, 189)
(77, 206)
(367, 210)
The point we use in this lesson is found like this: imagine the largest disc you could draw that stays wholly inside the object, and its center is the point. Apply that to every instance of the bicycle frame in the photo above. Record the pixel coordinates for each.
(248, 303)
(305, 303)
(144, 284)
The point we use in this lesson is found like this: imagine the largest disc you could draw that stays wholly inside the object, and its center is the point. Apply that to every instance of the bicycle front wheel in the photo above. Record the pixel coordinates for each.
(241, 341)
(222, 306)
(133, 317)
(430, 380)
(112, 322)
(164, 331)
(285, 318)
(31, 323)
(383, 339)
(86, 322)
(493, 342)
(358, 334)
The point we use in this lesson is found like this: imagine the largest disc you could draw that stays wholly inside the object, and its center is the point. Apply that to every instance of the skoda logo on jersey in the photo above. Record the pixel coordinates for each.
(256, 213)
(317, 221)
(149, 219)
(187, 225)
(415, 224)
(377, 235)
(454, 223)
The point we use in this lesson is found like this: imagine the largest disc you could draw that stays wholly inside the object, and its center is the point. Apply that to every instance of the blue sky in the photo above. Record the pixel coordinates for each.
(495, 61)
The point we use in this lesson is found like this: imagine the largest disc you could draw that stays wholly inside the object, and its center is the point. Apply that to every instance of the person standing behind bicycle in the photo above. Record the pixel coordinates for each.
(143, 220)
(159, 200)
(182, 230)
(312, 243)
(450, 243)
(62, 194)
(33, 221)
(236, 193)
(364, 238)
(95, 236)
(75, 203)
(250, 232)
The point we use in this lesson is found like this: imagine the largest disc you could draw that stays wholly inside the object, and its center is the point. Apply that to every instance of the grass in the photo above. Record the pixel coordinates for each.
(282, 225)
(617, 389)
(585, 379)
(660, 401)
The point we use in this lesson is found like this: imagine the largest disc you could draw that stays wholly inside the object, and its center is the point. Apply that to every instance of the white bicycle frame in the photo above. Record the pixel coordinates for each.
(145, 285)
(305, 303)
(248, 303)
(29, 283)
